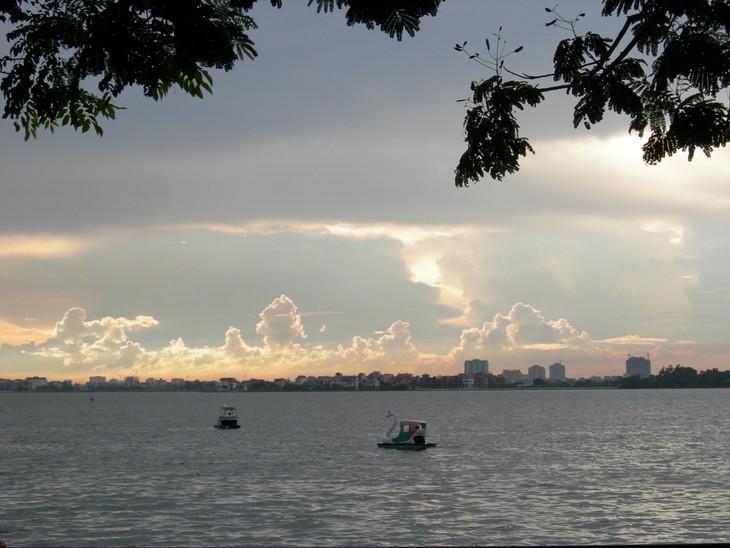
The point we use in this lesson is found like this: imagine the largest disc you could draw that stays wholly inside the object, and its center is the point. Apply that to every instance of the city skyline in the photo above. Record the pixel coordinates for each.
(303, 219)
(509, 376)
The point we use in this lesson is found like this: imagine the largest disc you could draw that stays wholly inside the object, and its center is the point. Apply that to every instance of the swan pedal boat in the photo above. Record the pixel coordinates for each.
(228, 419)
(411, 435)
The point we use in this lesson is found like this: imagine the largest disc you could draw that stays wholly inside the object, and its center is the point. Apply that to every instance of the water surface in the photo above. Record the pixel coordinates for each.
(523, 467)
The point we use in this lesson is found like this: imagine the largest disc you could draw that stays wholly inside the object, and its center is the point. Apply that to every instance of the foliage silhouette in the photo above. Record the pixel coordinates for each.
(666, 69)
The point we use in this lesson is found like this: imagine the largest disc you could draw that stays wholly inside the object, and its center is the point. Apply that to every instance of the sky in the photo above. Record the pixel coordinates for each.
(303, 220)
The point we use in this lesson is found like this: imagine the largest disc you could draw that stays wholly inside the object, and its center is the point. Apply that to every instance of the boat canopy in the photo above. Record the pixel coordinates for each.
(410, 429)
(412, 422)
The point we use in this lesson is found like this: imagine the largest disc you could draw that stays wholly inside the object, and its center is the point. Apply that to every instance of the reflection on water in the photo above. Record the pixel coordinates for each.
(511, 468)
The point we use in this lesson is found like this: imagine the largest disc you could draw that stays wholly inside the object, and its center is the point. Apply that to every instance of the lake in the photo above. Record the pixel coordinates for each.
(512, 467)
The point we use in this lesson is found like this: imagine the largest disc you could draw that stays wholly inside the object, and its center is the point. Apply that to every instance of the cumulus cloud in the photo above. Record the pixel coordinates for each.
(76, 340)
(523, 328)
(513, 340)
(280, 324)
(393, 345)
(236, 347)
(104, 345)
(74, 327)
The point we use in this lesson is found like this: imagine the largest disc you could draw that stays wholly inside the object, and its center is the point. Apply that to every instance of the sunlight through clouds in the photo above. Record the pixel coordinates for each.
(41, 245)
(106, 345)
(270, 234)
(16, 335)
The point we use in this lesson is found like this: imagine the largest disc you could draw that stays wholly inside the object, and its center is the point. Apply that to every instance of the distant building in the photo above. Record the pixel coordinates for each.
(472, 367)
(131, 381)
(281, 382)
(344, 382)
(636, 365)
(514, 376)
(371, 383)
(535, 372)
(226, 384)
(467, 382)
(152, 382)
(36, 382)
(97, 381)
(557, 372)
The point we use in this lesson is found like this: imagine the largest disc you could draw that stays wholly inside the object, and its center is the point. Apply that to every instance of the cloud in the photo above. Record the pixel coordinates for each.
(104, 345)
(76, 340)
(636, 340)
(41, 245)
(523, 327)
(16, 335)
(73, 328)
(280, 324)
(395, 345)
(348, 205)
(437, 284)
(514, 340)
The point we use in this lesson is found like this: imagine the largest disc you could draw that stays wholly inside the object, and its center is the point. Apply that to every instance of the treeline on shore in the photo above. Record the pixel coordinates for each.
(679, 376)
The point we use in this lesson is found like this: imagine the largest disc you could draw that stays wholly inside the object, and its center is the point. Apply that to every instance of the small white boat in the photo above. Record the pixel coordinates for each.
(411, 435)
(228, 419)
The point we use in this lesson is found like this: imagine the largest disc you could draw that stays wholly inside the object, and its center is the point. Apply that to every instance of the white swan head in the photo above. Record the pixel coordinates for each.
(388, 432)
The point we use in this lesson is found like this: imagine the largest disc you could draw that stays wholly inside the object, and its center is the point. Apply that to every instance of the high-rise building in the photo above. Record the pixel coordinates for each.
(472, 367)
(636, 365)
(557, 372)
(535, 372)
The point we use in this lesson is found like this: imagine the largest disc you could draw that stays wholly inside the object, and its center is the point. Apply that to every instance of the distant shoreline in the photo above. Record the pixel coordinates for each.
(324, 390)
(670, 376)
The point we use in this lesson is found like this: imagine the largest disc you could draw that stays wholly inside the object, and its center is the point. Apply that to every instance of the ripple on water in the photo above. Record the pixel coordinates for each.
(512, 468)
